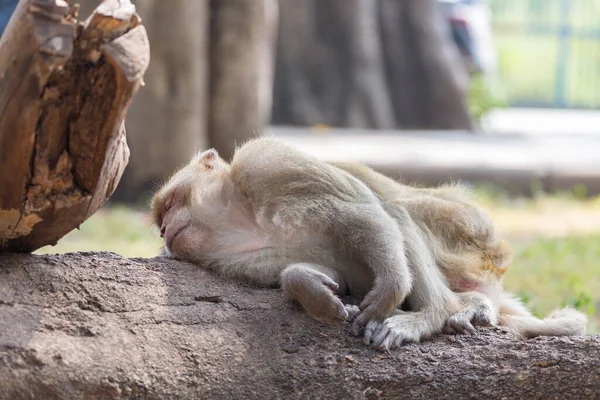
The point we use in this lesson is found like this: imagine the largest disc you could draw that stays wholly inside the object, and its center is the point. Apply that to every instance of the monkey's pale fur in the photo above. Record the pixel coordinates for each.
(276, 216)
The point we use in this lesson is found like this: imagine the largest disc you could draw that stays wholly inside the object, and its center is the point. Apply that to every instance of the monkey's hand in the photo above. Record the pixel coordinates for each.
(315, 291)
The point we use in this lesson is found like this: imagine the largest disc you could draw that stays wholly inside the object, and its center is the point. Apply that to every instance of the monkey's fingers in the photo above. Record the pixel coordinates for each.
(463, 321)
(326, 308)
(448, 331)
(359, 324)
(372, 328)
(333, 311)
(482, 317)
(330, 283)
(391, 338)
(459, 325)
(370, 313)
(353, 312)
(375, 308)
(397, 330)
(357, 328)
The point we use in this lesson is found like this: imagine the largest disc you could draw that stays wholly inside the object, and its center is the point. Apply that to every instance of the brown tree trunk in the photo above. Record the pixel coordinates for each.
(167, 122)
(243, 38)
(64, 93)
(100, 326)
(368, 64)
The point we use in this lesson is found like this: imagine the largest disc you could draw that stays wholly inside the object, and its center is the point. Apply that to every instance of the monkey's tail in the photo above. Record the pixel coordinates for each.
(561, 322)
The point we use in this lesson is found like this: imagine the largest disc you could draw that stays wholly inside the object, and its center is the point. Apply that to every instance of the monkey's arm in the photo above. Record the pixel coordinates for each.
(431, 301)
(312, 285)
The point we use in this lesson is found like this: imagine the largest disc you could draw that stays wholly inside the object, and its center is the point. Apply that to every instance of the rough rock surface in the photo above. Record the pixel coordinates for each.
(96, 325)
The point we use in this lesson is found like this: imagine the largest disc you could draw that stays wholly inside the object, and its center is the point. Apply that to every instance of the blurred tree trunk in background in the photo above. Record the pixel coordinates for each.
(368, 63)
(167, 122)
(242, 46)
(209, 84)
(348, 63)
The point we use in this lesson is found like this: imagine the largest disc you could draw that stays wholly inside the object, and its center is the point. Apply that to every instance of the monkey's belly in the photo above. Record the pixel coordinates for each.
(464, 285)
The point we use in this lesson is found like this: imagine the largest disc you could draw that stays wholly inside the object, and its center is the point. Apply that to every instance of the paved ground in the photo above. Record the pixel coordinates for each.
(540, 121)
(517, 161)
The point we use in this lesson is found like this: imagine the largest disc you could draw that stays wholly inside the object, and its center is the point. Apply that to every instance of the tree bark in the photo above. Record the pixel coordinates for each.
(64, 94)
(243, 39)
(96, 325)
(368, 64)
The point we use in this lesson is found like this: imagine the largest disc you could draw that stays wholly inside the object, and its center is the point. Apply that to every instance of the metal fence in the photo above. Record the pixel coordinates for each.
(548, 51)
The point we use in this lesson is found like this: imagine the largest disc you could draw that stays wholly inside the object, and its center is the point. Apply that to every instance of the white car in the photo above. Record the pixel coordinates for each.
(471, 28)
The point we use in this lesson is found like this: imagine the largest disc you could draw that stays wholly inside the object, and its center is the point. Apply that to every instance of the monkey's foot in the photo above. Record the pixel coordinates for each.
(404, 327)
(328, 308)
(315, 291)
(463, 322)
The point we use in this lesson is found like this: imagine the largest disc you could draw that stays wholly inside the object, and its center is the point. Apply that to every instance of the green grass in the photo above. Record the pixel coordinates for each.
(556, 242)
(550, 272)
(119, 229)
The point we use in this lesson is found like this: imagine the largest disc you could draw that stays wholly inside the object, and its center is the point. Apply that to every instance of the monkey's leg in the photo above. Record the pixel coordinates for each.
(477, 310)
(430, 300)
(314, 287)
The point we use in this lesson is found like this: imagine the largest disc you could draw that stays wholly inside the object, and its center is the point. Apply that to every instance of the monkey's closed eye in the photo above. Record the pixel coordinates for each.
(166, 206)
(168, 202)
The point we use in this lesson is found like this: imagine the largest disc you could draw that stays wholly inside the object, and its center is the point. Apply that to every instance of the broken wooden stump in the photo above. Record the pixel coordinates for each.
(65, 88)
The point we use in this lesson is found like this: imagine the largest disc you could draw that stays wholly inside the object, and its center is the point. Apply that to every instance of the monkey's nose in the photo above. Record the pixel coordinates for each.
(162, 231)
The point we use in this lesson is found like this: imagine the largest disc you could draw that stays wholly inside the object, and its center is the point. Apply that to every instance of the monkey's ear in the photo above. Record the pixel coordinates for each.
(208, 158)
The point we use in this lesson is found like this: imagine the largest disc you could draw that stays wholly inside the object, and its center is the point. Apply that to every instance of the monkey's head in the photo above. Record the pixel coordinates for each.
(186, 208)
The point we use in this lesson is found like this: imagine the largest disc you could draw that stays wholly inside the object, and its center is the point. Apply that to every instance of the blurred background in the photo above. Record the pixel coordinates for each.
(503, 95)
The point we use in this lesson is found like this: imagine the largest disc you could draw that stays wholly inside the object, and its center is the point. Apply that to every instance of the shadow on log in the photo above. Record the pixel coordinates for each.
(64, 92)
(96, 325)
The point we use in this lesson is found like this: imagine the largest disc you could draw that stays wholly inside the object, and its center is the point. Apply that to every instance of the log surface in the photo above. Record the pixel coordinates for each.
(97, 325)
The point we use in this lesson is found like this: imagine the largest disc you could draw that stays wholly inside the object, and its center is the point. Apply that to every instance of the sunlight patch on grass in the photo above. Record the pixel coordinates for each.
(556, 215)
